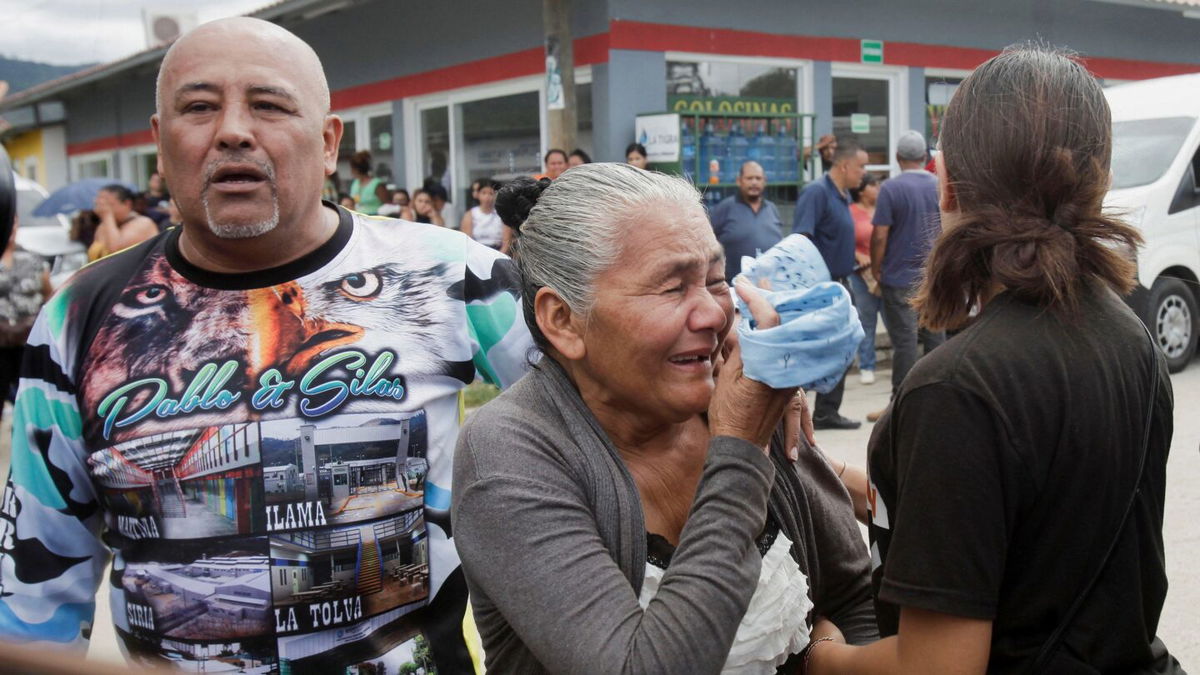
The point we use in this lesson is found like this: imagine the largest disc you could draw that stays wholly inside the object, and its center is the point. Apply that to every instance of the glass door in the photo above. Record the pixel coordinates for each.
(435, 147)
(497, 138)
(866, 107)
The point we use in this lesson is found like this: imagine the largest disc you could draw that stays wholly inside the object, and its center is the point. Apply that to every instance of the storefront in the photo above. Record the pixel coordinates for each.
(459, 93)
(488, 131)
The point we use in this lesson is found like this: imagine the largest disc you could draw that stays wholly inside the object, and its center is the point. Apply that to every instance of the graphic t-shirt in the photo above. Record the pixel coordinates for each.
(268, 456)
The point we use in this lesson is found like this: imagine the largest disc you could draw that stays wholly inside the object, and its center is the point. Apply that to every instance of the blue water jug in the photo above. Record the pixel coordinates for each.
(712, 155)
(754, 149)
(687, 151)
(786, 162)
(739, 148)
(766, 145)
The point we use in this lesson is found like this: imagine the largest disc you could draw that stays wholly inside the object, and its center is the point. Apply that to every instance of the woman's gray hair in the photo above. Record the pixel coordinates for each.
(573, 231)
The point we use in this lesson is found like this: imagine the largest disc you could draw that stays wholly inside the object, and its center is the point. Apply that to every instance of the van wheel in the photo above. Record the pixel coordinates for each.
(1173, 321)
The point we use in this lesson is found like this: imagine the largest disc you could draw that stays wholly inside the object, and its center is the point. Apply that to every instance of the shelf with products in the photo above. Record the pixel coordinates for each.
(709, 148)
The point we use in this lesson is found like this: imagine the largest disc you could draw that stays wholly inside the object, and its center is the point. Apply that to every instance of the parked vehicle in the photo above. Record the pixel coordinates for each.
(1156, 185)
(49, 237)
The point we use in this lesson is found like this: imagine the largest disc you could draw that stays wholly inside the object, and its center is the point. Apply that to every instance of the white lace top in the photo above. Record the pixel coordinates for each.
(775, 625)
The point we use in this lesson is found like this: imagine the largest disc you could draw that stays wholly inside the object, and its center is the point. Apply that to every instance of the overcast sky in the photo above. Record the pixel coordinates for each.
(68, 32)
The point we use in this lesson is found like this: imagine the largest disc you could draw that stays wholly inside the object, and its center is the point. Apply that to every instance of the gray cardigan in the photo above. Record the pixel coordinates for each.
(549, 526)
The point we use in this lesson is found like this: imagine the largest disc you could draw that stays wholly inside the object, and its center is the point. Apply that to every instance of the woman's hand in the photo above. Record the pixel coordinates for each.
(102, 206)
(796, 421)
(741, 407)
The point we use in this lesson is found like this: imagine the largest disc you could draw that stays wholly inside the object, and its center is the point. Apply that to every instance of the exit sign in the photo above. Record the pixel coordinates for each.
(872, 51)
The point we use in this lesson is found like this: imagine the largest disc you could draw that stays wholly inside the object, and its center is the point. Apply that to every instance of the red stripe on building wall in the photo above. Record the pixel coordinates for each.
(1121, 69)
(658, 37)
(636, 35)
(588, 51)
(111, 142)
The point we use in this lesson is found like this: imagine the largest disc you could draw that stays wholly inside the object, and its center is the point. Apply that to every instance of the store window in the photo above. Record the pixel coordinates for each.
(488, 132)
(861, 110)
(730, 98)
(501, 138)
(380, 143)
(938, 92)
(93, 168)
(142, 163)
(435, 146)
(583, 119)
(691, 82)
(366, 131)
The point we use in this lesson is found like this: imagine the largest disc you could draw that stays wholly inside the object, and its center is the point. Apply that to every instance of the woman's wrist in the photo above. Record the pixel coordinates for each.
(806, 659)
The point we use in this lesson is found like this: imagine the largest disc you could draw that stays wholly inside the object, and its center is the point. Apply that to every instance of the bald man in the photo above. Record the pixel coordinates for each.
(256, 411)
(746, 223)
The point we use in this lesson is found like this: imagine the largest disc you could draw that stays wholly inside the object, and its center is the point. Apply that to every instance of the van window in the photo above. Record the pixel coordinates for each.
(1187, 196)
(1144, 149)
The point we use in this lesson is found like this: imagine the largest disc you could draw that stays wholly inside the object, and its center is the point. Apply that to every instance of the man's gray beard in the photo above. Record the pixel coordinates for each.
(242, 231)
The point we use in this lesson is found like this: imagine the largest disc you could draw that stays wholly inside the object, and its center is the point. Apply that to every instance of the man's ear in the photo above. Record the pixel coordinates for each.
(559, 324)
(154, 133)
(331, 134)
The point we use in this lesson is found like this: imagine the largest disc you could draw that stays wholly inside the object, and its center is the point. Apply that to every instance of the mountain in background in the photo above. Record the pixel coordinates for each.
(25, 74)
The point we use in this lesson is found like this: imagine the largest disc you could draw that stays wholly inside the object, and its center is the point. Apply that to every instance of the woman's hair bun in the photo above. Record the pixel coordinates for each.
(518, 198)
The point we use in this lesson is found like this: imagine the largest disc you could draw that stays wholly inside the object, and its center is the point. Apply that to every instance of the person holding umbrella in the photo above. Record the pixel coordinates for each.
(120, 226)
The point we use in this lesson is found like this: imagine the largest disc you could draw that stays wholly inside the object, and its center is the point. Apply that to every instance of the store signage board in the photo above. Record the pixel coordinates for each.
(660, 135)
(730, 105)
(872, 51)
(860, 123)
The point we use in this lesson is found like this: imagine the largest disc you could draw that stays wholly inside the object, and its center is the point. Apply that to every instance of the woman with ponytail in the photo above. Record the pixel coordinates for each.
(1017, 479)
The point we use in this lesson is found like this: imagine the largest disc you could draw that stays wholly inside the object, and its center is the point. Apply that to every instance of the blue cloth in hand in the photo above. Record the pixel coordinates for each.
(818, 331)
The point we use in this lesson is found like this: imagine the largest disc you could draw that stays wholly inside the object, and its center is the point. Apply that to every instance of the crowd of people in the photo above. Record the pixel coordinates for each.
(634, 500)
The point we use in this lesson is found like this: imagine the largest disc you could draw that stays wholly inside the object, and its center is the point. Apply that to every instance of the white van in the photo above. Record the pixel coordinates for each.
(1156, 186)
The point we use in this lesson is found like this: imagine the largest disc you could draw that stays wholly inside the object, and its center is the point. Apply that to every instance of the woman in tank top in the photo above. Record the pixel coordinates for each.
(368, 192)
(482, 223)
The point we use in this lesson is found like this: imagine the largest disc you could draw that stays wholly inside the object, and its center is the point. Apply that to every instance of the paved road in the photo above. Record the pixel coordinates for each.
(1180, 625)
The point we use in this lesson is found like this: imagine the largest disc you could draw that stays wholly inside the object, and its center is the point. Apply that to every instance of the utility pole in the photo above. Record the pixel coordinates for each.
(560, 74)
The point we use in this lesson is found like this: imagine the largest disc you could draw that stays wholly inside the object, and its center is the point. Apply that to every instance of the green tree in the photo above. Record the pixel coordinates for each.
(775, 83)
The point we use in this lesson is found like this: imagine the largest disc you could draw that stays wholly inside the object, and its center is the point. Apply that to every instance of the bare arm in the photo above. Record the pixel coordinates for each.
(466, 225)
(927, 642)
(879, 237)
(107, 232)
(855, 480)
(137, 230)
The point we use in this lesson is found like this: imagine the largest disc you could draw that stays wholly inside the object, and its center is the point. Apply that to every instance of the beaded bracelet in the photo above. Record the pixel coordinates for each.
(808, 652)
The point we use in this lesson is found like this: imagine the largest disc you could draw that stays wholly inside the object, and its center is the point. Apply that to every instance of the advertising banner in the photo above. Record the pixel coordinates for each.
(660, 135)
